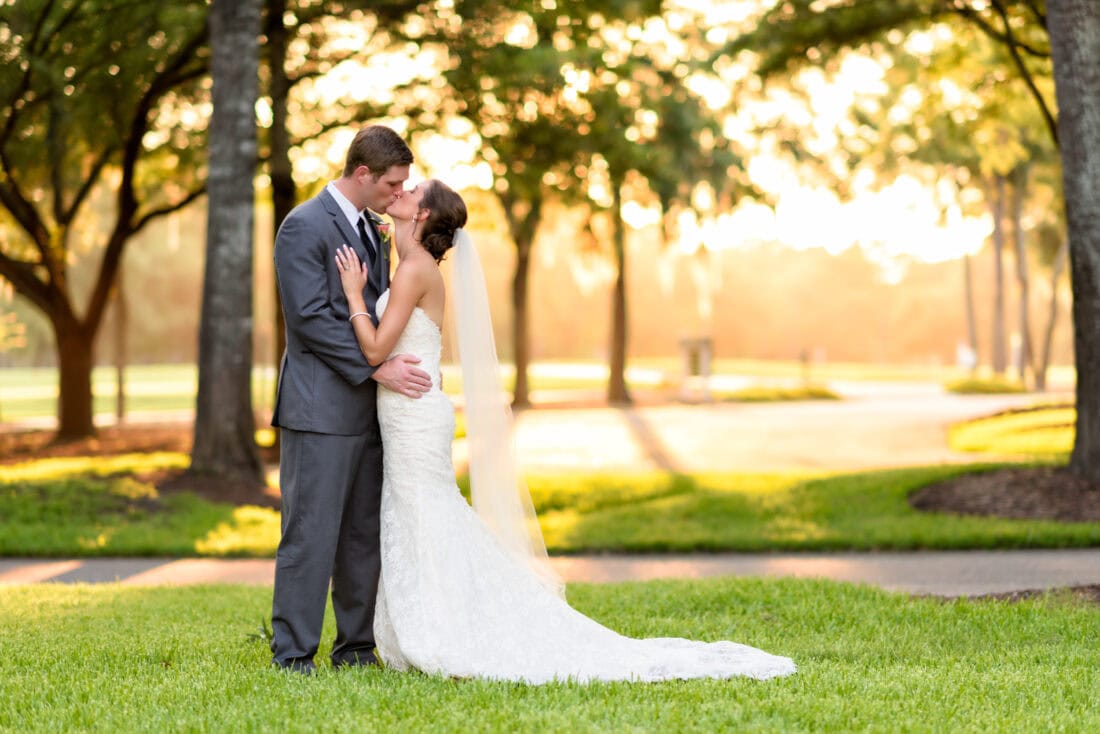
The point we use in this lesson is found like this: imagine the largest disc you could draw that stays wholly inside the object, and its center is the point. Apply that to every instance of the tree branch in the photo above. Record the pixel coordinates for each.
(1007, 38)
(21, 274)
(168, 208)
(24, 212)
(86, 186)
(1036, 12)
(173, 74)
(1029, 80)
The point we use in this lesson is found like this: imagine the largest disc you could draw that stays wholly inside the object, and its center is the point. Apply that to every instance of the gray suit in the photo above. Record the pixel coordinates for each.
(330, 469)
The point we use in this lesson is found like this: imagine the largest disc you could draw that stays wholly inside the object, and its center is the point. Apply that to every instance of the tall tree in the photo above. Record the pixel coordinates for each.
(651, 132)
(1075, 45)
(86, 106)
(516, 71)
(224, 443)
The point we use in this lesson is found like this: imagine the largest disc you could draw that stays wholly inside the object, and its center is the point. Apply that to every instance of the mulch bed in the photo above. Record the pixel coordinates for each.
(19, 446)
(22, 446)
(1032, 493)
(1089, 594)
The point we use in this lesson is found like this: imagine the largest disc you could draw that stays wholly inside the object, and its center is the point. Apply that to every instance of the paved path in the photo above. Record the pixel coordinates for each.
(877, 425)
(947, 573)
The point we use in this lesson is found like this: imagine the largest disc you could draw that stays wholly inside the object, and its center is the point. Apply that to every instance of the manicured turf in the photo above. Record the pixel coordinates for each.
(1044, 432)
(110, 658)
(771, 394)
(90, 507)
(985, 386)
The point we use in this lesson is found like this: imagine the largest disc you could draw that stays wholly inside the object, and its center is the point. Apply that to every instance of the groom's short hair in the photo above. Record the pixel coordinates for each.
(378, 148)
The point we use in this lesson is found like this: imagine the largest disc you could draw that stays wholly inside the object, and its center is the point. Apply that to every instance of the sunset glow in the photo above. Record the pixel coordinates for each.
(892, 221)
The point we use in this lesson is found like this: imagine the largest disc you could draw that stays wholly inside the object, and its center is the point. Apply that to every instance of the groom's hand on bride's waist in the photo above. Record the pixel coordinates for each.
(400, 374)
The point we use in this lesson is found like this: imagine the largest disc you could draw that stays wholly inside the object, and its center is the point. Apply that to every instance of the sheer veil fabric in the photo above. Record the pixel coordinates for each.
(468, 591)
(498, 493)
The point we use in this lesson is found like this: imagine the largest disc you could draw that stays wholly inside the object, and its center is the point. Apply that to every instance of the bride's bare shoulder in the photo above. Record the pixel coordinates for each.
(418, 268)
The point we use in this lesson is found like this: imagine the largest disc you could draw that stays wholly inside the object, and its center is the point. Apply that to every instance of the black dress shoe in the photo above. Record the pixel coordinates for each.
(356, 659)
(303, 666)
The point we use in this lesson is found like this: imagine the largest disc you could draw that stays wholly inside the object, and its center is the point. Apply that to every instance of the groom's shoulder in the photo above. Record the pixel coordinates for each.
(313, 207)
(310, 212)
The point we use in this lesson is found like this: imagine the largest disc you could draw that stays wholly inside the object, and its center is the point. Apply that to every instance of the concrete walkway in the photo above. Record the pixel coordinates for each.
(945, 573)
(877, 425)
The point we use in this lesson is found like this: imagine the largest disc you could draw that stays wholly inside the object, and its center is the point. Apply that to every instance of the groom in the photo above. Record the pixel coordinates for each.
(330, 468)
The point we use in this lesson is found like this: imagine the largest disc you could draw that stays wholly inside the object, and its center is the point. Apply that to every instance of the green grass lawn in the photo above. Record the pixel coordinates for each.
(771, 394)
(104, 507)
(1044, 432)
(111, 658)
(990, 385)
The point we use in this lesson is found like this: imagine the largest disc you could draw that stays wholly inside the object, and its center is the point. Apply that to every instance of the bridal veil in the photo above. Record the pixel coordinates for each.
(499, 495)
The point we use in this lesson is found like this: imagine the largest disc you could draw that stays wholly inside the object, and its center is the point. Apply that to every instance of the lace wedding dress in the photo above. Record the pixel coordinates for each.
(453, 602)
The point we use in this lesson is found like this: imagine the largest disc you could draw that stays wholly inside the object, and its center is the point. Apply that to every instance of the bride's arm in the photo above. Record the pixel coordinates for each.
(408, 285)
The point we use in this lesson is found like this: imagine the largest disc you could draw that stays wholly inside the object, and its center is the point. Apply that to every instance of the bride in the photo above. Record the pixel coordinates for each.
(467, 591)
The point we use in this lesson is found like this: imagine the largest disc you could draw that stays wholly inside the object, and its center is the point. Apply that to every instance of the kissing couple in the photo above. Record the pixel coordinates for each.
(419, 578)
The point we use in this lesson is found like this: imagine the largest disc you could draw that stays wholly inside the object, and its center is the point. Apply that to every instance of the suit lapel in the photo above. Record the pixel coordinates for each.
(351, 237)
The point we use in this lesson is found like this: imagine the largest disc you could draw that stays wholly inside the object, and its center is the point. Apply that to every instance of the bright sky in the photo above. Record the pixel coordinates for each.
(893, 222)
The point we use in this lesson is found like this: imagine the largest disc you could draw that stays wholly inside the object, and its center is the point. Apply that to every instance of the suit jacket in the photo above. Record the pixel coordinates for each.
(324, 379)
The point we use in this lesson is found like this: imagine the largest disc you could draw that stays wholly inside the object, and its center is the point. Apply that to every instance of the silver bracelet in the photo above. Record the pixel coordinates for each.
(358, 313)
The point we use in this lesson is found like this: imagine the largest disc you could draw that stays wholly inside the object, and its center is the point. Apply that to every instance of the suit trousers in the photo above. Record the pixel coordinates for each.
(331, 496)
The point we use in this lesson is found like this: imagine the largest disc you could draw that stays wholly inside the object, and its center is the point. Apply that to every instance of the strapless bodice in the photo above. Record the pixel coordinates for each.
(420, 337)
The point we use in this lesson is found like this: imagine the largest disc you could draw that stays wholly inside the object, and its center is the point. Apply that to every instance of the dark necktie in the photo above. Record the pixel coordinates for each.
(367, 242)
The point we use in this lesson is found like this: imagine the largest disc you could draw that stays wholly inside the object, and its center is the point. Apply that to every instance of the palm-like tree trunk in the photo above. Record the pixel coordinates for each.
(283, 191)
(971, 316)
(617, 392)
(1026, 358)
(1000, 355)
(523, 222)
(224, 443)
(1056, 269)
(1075, 48)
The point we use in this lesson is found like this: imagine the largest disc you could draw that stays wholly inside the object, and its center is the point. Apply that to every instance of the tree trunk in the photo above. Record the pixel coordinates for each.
(999, 357)
(283, 192)
(617, 392)
(1025, 360)
(971, 316)
(121, 322)
(1056, 269)
(1075, 49)
(521, 397)
(523, 222)
(225, 444)
(75, 355)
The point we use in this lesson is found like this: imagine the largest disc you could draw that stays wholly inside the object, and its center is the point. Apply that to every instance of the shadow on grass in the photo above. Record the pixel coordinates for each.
(111, 507)
(770, 512)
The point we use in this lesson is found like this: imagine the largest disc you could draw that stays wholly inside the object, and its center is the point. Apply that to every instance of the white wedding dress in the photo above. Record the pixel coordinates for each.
(453, 602)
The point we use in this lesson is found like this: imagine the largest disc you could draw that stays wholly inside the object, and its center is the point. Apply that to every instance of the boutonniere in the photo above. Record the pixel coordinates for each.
(385, 231)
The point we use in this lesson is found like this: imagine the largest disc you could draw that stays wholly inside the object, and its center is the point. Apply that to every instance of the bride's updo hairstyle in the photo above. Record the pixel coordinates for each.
(447, 212)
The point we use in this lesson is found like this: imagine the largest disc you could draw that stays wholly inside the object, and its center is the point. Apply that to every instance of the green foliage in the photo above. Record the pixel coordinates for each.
(86, 96)
(94, 507)
(110, 658)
